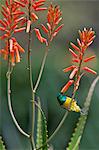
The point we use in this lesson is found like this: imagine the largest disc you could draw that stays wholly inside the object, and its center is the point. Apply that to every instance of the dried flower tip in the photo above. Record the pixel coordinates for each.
(73, 53)
(69, 68)
(73, 73)
(85, 29)
(89, 70)
(75, 47)
(65, 88)
(28, 26)
(90, 58)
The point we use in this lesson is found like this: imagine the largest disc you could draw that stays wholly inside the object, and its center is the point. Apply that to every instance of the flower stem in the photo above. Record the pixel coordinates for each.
(9, 101)
(31, 82)
(58, 127)
(41, 70)
(33, 94)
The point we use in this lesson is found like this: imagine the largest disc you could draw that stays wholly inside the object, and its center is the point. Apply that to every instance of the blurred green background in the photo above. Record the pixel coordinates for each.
(76, 15)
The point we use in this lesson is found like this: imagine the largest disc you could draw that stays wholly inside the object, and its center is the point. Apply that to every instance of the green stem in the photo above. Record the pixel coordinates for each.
(31, 83)
(33, 95)
(9, 101)
(58, 127)
(41, 70)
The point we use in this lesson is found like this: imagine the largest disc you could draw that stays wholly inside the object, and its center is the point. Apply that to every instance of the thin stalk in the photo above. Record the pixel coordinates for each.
(33, 94)
(56, 130)
(9, 101)
(31, 83)
(41, 70)
(58, 127)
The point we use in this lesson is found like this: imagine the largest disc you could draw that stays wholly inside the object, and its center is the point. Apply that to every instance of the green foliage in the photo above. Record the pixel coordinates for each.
(41, 129)
(2, 146)
(77, 135)
(45, 133)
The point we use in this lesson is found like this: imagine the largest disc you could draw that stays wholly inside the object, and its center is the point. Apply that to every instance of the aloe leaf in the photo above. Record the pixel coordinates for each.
(2, 146)
(45, 134)
(42, 133)
(39, 127)
(78, 132)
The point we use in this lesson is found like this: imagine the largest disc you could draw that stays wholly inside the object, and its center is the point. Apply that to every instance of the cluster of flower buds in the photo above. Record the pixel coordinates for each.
(12, 50)
(53, 20)
(12, 23)
(31, 7)
(86, 39)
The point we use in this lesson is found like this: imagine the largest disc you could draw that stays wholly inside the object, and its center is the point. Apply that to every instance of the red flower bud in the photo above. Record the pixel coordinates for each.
(44, 29)
(69, 68)
(65, 88)
(73, 53)
(75, 47)
(89, 70)
(89, 58)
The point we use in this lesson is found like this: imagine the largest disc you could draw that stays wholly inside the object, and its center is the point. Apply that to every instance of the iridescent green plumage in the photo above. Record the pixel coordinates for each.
(61, 98)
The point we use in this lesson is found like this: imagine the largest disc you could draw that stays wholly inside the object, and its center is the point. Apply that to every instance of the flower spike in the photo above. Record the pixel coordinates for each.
(78, 67)
(53, 20)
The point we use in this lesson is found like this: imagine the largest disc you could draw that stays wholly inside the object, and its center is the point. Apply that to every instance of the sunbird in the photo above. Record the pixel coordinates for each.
(67, 103)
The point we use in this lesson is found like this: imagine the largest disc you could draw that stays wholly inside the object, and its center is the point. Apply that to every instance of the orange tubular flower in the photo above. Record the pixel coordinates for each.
(10, 24)
(53, 19)
(86, 39)
(12, 18)
(15, 49)
(32, 7)
(66, 87)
